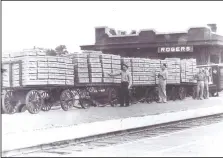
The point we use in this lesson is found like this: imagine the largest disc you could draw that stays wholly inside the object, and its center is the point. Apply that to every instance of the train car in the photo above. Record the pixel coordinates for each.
(27, 84)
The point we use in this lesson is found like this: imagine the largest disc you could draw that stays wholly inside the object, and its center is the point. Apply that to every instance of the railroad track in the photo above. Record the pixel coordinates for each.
(118, 137)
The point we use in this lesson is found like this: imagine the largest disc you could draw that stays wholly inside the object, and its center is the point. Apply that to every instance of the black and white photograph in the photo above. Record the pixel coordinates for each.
(112, 79)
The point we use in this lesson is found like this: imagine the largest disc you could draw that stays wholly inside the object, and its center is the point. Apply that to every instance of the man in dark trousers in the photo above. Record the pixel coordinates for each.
(126, 83)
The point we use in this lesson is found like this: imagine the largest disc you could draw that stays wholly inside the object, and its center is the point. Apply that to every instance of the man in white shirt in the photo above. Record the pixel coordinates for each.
(126, 83)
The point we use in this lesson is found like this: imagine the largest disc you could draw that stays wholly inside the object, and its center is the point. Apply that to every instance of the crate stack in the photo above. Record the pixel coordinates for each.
(95, 67)
(155, 68)
(81, 72)
(173, 69)
(149, 71)
(33, 70)
(188, 70)
(56, 70)
(33, 67)
(69, 72)
(138, 73)
(116, 67)
(106, 62)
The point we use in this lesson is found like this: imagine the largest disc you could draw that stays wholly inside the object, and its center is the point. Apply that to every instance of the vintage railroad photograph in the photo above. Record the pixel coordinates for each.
(112, 79)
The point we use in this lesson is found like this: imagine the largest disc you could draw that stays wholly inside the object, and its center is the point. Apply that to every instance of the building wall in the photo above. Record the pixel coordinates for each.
(204, 55)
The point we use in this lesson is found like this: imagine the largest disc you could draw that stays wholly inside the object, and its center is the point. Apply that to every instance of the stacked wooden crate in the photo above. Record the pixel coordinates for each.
(95, 67)
(29, 68)
(188, 70)
(6, 78)
(116, 67)
(33, 67)
(173, 69)
(106, 62)
(81, 72)
(56, 70)
(155, 68)
(69, 71)
(138, 73)
(149, 68)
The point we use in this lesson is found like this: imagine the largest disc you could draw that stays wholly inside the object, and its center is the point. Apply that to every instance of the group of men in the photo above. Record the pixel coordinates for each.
(202, 78)
(126, 83)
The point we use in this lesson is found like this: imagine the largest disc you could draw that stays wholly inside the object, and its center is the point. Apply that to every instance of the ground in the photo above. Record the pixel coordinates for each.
(199, 141)
(22, 122)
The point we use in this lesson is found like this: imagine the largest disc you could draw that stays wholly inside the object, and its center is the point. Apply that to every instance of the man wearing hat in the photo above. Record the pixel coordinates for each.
(126, 82)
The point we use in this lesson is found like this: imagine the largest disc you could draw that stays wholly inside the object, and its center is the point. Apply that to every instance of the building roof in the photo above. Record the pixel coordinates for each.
(106, 38)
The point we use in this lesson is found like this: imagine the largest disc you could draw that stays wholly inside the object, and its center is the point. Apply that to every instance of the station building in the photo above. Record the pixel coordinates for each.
(201, 43)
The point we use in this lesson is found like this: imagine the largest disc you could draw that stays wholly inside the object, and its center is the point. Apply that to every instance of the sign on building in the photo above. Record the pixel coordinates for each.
(175, 49)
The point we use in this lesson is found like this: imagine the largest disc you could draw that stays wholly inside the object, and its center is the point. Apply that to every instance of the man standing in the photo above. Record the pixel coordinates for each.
(206, 82)
(162, 84)
(126, 83)
(200, 84)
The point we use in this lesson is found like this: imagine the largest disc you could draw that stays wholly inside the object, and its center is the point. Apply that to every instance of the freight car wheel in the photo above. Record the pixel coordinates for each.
(9, 102)
(112, 97)
(182, 93)
(66, 100)
(34, 101)
(46, 102)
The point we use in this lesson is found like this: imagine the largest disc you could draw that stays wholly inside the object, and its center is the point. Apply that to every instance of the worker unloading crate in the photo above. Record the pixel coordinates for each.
(126, 82)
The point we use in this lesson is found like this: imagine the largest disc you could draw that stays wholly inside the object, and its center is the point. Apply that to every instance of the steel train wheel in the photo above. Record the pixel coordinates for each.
(34, 101)
(8, 102)
(66, 100)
